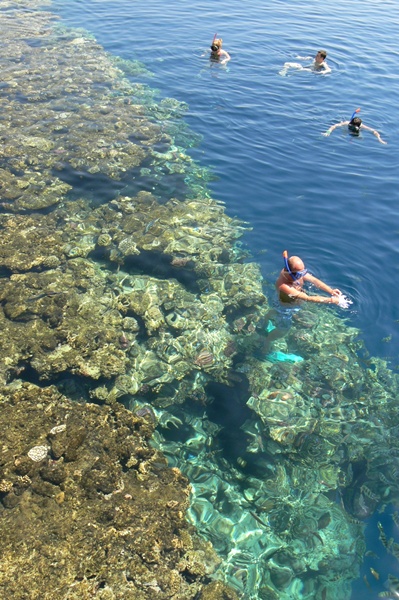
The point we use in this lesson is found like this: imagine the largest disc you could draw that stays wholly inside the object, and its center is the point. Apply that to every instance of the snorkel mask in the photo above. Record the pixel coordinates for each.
(294, 274)
(214, 47)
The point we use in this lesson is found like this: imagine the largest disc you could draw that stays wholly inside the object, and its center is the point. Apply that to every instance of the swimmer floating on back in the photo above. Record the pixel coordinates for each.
(355, 126)
(319, 64)
(292, 278)
(217, 54)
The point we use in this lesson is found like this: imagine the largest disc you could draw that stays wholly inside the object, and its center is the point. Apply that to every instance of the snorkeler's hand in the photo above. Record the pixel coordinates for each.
(343, 301)
(379, 138)
(327, 133)
(336, 292)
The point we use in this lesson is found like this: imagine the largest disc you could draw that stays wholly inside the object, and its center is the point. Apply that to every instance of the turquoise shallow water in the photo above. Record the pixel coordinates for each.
(331, 200)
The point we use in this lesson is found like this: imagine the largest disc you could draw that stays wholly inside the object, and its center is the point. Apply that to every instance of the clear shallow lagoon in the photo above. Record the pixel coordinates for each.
(333, 201)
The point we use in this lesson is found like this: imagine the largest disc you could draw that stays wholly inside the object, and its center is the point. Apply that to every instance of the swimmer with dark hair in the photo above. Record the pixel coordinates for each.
(355, 126)
(217, 54)
(319, 64)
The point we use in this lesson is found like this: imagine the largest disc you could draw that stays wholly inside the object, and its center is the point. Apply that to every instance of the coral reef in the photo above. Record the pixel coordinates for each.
(88, 508)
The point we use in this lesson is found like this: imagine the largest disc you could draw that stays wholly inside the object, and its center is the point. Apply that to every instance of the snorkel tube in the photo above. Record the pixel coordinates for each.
(354, 128)
(285, 256)
(293, 276)
(213, 44)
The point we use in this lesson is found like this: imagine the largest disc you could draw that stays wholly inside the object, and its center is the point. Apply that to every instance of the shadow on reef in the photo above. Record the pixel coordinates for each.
(161, 265)
(96, 187)
(157, 264)
(228, 410)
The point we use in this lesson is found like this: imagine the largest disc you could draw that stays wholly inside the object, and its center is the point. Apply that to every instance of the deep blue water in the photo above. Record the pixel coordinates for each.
(331, 200)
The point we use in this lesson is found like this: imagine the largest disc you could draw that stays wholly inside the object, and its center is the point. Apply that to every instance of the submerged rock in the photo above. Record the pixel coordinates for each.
(103, 516)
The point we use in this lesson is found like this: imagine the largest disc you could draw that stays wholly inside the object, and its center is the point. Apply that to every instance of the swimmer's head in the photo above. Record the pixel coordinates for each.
(216, 45)
(321, 55)
(294, 266)
(354, 125)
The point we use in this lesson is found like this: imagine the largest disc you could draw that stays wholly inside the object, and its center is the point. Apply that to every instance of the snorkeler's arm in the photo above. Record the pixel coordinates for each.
(374, 132)
(321, 285)
(331, 129)
(297, 295)
(326, 69)
(226, 56)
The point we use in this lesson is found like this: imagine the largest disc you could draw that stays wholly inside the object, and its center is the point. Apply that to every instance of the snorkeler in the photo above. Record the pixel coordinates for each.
(319, 64)
(217, 53)
(355, 126)
(292, 278)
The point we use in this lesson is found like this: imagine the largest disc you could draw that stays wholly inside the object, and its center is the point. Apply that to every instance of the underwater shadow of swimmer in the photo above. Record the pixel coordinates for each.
(160, 265)
(229, 410)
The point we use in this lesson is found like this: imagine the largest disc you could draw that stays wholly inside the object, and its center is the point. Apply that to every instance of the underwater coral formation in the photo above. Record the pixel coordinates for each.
(89, 509)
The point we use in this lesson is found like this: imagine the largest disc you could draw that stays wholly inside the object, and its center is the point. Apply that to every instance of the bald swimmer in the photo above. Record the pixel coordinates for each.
(292, 278)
